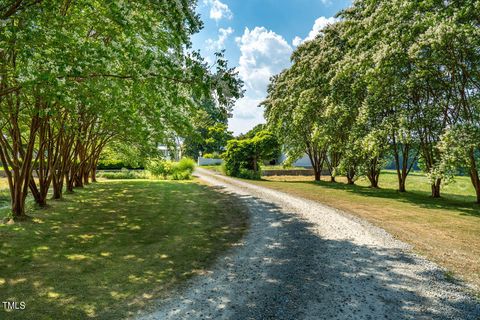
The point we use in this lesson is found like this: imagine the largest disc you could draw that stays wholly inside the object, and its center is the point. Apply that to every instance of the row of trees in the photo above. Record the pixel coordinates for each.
(77, 75)
(391, 79)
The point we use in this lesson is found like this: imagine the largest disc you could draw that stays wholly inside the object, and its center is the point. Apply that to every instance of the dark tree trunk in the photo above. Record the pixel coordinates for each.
(86, 177)
(351, 175)
(373, 173)
(70, 180)
(57, 189)
(38, 196)
(474, 174)
(93, 174)
(78, 181)
(436, 188)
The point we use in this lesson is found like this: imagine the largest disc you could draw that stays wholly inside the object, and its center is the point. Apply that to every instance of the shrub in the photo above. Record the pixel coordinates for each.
(182, 175)
(123, 174)
(111, 164)
(160, 168)
(186, 164)
(214, 155)
(181, 170)
(249, 174)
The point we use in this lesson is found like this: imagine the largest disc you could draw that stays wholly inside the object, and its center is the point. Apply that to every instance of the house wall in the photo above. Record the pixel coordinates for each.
(302, 162)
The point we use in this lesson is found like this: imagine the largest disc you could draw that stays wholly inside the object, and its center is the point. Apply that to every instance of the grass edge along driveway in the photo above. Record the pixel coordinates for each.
(446, 230)
(109, 249)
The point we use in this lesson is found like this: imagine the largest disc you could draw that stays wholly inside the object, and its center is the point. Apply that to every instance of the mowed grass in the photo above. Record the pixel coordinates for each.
(112, 248)
(445, 230)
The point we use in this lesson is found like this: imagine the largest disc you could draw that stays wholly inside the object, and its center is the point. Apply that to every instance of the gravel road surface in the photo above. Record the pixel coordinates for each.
(302, 260)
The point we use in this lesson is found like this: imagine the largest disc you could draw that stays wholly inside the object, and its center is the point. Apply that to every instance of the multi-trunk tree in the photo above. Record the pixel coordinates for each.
(76, 74)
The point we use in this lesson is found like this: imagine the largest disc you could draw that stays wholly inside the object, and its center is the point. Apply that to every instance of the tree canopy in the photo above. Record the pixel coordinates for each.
(76, 75)
(390, 79)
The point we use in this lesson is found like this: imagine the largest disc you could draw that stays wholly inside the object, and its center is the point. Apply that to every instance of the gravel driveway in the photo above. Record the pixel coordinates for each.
(303, 260)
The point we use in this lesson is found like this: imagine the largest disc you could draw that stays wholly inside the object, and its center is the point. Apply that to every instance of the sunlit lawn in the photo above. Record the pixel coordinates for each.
(110, 249)
(446, 230)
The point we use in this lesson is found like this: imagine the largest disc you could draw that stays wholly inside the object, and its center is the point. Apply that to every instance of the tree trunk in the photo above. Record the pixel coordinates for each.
(93, 174)
(57, 188)
(39, 197)
(351, 175)
(78, 180)
(474, 174)
(18, 206)
(401, 184)
(373, 173)
(70, 180)
(436, 188)
(86, 177)
(373, 182)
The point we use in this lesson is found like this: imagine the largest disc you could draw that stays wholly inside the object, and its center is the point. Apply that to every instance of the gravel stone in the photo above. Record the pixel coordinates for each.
(304, 260)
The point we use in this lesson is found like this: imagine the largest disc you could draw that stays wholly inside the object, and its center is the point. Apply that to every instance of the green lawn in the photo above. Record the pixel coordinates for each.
(109, 249)
(445, 230)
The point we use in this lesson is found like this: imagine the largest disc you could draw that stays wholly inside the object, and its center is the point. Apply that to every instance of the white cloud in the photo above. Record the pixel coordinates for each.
(297, 41)
(318, 26)
(218, 10)
(220, 42)
(246, 115)
(263, 54)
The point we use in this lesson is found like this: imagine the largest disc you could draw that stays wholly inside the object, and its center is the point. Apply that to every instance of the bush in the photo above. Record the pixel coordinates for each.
(214, 155)
(123, 174)
(249, 174)
(160, 168)
(112, 164)
(182, 175)
(181, 170)
(186, 164)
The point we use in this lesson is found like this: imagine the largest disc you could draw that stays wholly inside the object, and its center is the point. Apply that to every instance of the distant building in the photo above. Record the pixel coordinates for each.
(303, 162)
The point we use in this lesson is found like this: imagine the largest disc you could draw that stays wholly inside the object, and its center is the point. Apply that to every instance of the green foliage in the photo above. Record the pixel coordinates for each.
(77, 76)
(160, 168)
(214, 155)
(114, 165)
(207, 139)
(249, 174)
(185, 164)
(166, 169)
(394, 79)
(123, 174)
(250, 134)
(243, 157)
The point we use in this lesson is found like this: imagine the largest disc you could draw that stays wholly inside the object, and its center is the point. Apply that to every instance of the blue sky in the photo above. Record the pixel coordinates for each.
(259, 36)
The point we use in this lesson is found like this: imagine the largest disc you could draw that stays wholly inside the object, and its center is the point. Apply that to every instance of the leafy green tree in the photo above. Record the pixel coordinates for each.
(217, 137)
(76, 75)
(243, 157)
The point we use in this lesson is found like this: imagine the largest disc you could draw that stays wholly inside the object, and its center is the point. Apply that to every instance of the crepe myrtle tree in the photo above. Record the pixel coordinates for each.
(74, 75)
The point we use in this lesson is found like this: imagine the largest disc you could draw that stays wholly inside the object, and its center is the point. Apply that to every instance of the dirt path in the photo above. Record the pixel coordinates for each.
(302, 260)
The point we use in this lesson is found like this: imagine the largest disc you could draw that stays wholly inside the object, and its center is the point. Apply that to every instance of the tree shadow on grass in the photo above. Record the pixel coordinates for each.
(463, 204)
(106, 251)
(284, 270)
